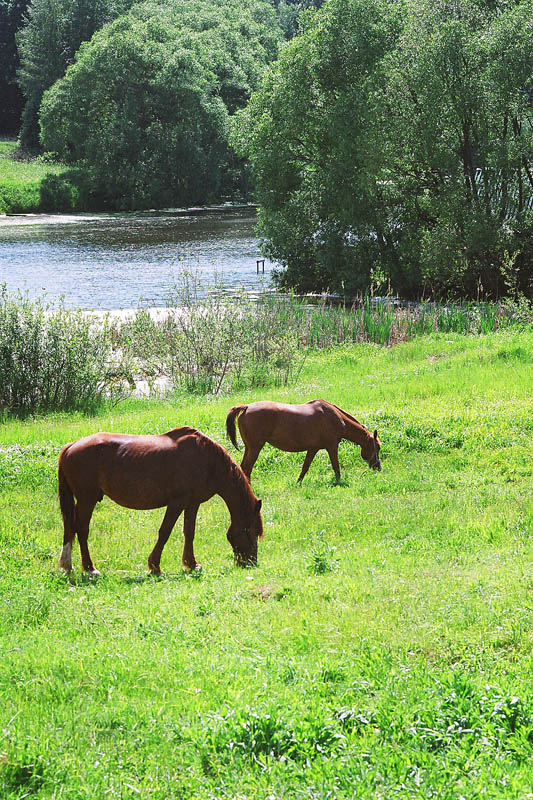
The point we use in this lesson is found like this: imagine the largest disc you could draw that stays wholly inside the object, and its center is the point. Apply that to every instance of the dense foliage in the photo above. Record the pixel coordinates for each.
(49, 33)
(12, 16)
(146, 105)
(47, 44)
(392, 146)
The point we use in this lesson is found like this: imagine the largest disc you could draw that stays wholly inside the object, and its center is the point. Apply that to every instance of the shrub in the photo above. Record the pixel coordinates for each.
(53, 360)
(211, 343)
(19, 198)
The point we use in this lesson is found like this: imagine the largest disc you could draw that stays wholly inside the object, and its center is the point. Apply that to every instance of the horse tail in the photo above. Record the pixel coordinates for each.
(66, 498)
(233, 413)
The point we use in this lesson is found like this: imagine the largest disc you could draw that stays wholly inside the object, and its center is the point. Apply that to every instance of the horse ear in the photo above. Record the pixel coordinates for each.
(258, 506)
(376, 433)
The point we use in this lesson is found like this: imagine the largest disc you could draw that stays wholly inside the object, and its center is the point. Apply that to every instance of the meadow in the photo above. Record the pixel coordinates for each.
(381, 649)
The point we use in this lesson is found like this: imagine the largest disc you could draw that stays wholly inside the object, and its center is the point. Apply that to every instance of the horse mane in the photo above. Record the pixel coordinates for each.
(224, 462)
(177, 433)
(353, 419)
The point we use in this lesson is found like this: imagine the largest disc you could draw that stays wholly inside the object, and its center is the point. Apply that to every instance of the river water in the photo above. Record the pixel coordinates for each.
(121, 261)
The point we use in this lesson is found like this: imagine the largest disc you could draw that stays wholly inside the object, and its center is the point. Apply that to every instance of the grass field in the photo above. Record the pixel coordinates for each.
(381, 649)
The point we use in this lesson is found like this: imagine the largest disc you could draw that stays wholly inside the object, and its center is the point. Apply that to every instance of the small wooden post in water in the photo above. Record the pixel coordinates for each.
(262, 262)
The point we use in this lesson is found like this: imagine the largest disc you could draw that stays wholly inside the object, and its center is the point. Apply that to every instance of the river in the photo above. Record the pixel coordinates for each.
(121, 261)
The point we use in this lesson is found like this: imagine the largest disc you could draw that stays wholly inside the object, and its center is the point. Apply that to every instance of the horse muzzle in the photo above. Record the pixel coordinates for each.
(245, 561)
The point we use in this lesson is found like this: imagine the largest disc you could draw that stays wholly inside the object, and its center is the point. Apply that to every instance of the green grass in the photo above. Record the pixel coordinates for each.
(35, 185)
(381, 649)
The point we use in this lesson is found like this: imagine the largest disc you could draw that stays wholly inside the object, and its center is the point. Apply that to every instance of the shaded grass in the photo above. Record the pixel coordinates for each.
(400, 667)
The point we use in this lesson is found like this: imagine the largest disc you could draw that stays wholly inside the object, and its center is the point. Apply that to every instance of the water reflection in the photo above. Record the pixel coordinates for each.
(113, 261)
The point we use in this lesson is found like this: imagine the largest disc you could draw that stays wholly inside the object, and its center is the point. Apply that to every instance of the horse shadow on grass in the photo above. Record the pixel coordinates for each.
(82, 579)
(173, 577)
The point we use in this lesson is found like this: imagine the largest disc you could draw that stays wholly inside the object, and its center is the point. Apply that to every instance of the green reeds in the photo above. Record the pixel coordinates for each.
(383, 322)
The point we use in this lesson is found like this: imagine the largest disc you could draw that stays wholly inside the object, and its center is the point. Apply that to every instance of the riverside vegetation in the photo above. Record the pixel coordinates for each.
(382, 647)
(387, 143)
(59, 360)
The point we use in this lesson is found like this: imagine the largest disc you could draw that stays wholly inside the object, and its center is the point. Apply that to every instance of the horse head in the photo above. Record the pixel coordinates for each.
(370, 451)
(243, 534)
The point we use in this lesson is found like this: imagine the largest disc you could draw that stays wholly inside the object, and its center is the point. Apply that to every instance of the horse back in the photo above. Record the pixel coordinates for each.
(141, 471)
(178, 433)
(312, 425)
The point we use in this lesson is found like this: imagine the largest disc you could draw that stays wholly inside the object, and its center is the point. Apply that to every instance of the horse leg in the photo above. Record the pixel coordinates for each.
(169, 520)
(84, 512)
(250, 457)
(189, 524)
(65, 559)
(307, 463)
(334, 458)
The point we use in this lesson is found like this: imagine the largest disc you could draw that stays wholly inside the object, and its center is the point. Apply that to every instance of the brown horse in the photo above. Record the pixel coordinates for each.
(316, 425)
(179, 469)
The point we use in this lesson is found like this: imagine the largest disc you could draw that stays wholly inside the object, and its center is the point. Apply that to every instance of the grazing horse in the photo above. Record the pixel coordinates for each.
(316, 425)
(179, 469)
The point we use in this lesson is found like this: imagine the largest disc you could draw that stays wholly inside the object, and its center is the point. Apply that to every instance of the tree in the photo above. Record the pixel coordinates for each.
(146, 105)
(392, 144)
(47, 45)
(456, 119)
(309, 134)
(11, 19)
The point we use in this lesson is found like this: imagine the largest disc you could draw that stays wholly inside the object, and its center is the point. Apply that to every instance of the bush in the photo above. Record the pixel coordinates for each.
(209, 344)
(66, 192)
(53, 360)
(19, 198)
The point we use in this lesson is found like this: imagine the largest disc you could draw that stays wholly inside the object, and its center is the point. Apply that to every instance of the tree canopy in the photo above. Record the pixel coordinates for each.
(392, 144)
(12, 16)
(47, 44)
(146, 105)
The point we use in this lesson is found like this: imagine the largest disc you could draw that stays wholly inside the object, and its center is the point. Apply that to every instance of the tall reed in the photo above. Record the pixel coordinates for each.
(386, 323)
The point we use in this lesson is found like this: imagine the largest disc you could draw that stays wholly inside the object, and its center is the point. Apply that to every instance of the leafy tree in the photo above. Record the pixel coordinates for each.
(11, 19)
(456, 121)
(392, 145)
(47, 45)
(290, 12)
(309, 134)
(146, 105)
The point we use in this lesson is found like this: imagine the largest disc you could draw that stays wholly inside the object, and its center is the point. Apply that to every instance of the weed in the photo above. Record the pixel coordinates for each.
(322, 558)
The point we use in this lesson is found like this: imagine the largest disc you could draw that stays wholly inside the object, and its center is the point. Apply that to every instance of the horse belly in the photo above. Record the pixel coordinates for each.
(142, 496)
(296, 438)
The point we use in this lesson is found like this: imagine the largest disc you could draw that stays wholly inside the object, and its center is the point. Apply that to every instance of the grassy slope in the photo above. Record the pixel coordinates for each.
(382, 648)
(20, 181)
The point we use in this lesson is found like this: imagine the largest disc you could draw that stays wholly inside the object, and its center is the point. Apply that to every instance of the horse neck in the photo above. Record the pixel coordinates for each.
(355, 431)
(235, 490)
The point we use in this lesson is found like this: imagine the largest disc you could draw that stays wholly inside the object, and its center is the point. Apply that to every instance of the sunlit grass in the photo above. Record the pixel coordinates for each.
(382, 647)
(21, 182)
(25, 171)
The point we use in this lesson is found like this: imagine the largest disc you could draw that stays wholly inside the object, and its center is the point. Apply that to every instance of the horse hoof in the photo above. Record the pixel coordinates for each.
(93, 573)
